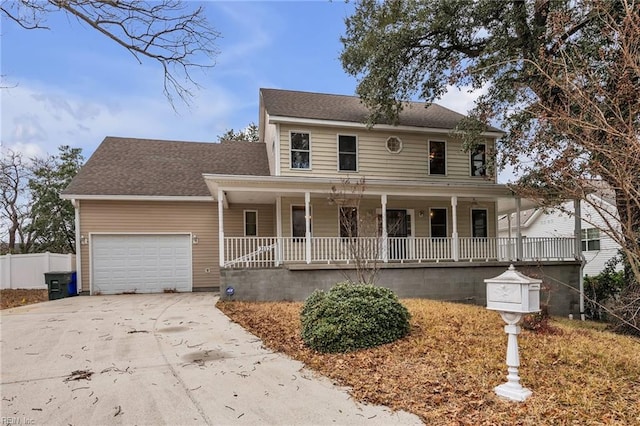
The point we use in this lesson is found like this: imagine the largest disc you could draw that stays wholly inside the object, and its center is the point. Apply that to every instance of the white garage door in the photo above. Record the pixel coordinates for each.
(140, 263)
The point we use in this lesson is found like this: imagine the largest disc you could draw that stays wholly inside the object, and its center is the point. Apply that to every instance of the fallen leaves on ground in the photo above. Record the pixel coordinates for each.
(12, 298)
(446, 369)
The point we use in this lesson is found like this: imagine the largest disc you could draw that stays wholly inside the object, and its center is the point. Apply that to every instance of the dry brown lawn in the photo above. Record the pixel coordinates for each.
(446, 369)
(11, 298)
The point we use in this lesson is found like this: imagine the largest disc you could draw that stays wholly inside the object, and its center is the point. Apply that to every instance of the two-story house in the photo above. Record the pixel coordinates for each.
(319, 195)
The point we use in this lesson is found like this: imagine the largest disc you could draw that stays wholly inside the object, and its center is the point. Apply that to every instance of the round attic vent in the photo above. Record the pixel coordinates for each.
(394, 144)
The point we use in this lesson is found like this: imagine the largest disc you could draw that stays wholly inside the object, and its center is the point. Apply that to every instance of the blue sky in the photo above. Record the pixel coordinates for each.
(72, 86)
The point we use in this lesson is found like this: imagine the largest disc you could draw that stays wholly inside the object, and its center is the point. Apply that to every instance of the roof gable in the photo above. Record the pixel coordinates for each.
(146, 167)
(320, 106)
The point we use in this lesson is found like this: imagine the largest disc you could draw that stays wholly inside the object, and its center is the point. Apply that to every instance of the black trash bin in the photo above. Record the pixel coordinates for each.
(61, 284)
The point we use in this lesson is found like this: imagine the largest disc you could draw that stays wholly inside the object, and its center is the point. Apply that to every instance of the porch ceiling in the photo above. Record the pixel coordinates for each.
(265, 189)
(508, 205)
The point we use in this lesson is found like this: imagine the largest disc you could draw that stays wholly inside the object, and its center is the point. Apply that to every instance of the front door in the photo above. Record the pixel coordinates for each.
(397, 229)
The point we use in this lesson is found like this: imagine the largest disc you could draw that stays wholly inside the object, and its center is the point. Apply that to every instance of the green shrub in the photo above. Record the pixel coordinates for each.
(603, 289)
(352, 316)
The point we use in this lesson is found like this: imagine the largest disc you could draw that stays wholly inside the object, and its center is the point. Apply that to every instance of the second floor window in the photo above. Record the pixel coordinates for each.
(438, 220)
(437, 158)
(479, 160)
(300, 150)
(347, 153)
(590, 239)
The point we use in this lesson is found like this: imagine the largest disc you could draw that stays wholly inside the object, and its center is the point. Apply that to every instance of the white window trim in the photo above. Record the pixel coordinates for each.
(291, 219)
(448, 225)
(446, 157)
(485, 162)
(410, 212)
(586, 239)
(244, 218)
(386, 144)
(471, 221)
(291, 149)
(338, 153)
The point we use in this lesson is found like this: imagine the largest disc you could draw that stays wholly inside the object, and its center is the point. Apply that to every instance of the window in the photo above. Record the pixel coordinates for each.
(347, 153)
(394, 144)
(298, 226)
(479, 223)
(348, 222)
(250, 223)
(438, 219)
(437, 158)
(300, 151)
(479, 160)
(590, 239)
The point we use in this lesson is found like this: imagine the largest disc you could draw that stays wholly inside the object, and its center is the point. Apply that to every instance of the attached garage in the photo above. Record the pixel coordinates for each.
(146, 220)
(140, 263)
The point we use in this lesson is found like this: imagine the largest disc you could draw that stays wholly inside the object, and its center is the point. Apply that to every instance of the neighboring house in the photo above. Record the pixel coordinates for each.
(596, 245)
(261, 220)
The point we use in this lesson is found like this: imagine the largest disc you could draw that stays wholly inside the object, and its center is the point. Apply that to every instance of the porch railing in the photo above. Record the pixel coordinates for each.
(264, 252)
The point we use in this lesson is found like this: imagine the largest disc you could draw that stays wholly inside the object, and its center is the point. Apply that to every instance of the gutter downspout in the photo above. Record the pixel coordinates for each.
(583, 263)
(577, 210)
(76, 206)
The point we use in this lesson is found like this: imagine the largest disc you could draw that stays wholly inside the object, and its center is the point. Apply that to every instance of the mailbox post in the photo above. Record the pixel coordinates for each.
(513, 294)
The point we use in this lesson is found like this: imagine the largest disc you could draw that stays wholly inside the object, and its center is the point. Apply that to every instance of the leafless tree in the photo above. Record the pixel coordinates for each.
(588, 138)
(362, 243)
(171, 32)
(16, 203)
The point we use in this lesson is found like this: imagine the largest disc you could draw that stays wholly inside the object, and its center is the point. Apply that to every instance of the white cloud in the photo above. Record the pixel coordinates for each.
(37, 118)
(251, 23)
(460, 99)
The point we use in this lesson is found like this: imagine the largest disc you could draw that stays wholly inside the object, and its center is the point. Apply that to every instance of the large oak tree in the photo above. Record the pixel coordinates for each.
(562, 77)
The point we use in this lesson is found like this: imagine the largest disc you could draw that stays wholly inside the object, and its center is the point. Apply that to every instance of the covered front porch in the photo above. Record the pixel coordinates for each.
(378, 223)
(265, 252)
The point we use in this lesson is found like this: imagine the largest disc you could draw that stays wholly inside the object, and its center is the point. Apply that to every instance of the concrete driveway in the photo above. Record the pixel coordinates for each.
(158, 359)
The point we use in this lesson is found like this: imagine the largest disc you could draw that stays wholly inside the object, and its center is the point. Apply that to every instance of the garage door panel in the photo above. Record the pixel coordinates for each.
(141, 263)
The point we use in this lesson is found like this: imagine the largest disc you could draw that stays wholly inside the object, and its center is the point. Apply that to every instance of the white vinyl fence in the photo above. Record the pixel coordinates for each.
(27, 270)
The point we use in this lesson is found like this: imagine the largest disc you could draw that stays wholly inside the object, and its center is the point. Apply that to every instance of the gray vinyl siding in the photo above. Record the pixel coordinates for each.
(374, 161)
(324, 217)
(234, 220)
(199, 218)
(270, 139)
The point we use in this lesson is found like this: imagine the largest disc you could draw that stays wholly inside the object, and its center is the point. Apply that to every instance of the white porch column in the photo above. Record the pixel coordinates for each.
(455, 242)
(518, 230)
(385, 234)
(509, 246)
(278, 230)
(577, 233)
(307, 224)
(221, 226)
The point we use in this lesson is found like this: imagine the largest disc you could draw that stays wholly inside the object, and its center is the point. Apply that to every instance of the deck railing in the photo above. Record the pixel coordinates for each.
(264, 252)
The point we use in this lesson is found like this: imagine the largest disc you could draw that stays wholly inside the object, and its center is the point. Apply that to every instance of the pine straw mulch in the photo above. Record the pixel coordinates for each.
(12, 298)
(446, 369)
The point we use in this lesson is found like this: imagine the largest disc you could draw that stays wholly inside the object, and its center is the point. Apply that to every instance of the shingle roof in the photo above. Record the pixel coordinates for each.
(126, 166)
(320, 106)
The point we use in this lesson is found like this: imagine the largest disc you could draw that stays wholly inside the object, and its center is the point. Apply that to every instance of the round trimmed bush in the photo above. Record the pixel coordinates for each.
(352, 316)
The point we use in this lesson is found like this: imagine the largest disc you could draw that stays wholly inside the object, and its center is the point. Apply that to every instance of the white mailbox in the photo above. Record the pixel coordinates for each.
(513, 292)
